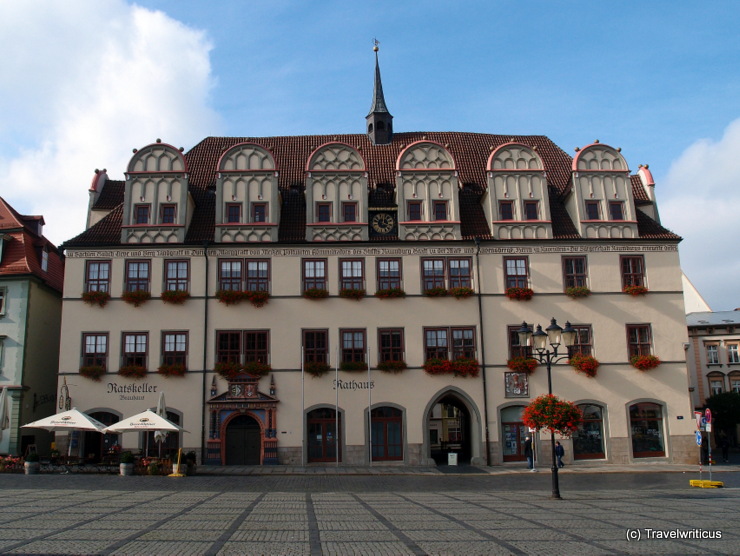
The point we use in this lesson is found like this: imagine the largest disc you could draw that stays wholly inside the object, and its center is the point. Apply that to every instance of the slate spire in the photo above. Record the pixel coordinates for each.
(379, 120)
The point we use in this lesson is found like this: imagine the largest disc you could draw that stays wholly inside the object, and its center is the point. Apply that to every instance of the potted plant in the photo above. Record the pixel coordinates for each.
(436, 292)
(585, 364)
(522, 364)
(126, 464)
(353, 366)
(552, 413)
(315, 293)
(132, 371)
(635, 290)
(93, 372)
(390, 293)
(136, 297)
(645, 362)
(176, 297)
(228, 369)
(464, 366)
(351, 293)
(461, 292)
(437, 366)
(316, 368)
(257, 298)
(96, 297)
(575, 292)
(172, 369)
(229, 297)
(31, 464)
(520, 294)
(256, 368)
(392, 366)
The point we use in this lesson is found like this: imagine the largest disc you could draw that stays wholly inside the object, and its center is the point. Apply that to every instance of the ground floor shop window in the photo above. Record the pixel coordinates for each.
(588, 440)
(646, 424)
(387, 433)
(513, 433)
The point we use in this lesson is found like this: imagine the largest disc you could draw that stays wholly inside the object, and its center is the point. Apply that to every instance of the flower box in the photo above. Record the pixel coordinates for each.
(351, 293)
(257, 298)
(435, 292)
(585, 364)
(353, 366)
(132, 371)
(175, 369)
(93, 372)
(520, 294)
(392, 366)
(522, 364)
(645, 362)
(635, 290)
(576, 292)
(459, 367)
(136, 297)
(461, 293)
(256, 368)
(228, 369)
(96, 297)
(230, 297)
(315, 293)
(552, 413)
(176, 297)
(316, 368)
(390, 293)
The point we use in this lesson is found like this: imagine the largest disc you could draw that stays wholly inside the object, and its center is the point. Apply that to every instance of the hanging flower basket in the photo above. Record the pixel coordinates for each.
(390, 293)
(136, 297)
(576, 292)
(257, 298)
(522, 364)
(96, 297)
(132, 371)
(230, 297)
(585, 364)
(256, 368)
(351, 293)
(175, 369)
(353, 366)
(392, 366)
(551, 413)
(436, 292)
(228, 369)
(520, 294)
(316, 293)
(461, 293)
(93, 372)
(645, 362)
(635, 290)
(459, 367)
(316, 368)
(176, 297)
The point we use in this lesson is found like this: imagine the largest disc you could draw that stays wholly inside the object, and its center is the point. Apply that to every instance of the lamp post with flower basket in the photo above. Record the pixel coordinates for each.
(552, 417)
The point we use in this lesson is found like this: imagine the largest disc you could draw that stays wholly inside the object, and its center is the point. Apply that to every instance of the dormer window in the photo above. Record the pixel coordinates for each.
(233, 213)
(592, 210)
(440, 210)
(141, 214)
(616, 210)
(323, 212)
(349, 212)
(168, 213)
(45, 260)
(259, 212)
(414, 210)
(506, 210)
(530, 210)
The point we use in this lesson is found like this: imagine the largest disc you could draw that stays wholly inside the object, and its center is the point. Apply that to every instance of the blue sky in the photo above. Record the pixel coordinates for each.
(88, 81)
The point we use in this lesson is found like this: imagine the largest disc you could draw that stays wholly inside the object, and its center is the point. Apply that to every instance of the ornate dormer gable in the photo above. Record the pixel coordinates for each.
(157, 207)
(645, 177)
(247, 196)
(336, 194)
(518, 205)
(427, 186)
(602, 203)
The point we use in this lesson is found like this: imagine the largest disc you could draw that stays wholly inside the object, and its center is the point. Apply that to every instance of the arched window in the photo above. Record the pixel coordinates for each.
(588, 440)
(646, 425)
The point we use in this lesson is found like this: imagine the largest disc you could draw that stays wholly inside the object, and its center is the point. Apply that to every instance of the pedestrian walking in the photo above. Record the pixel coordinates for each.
(528, 453)
(559, 452)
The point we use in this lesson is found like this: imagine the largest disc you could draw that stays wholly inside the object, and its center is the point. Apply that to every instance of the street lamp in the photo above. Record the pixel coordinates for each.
(555, 336)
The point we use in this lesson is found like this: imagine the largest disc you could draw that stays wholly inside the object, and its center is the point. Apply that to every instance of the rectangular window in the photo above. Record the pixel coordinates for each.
(2, 301)
(176, 275)
(616, 210)
(712, 354)
(574, 272)
(735, 384)
(459, 273)
(433, 274)
(137, 276)
(351, 275)
(353, 346)
(97, 276)
(390, 344)
(733, 355)
(349, 212)
(258, 275)
(414, 208)
(463, 343)
(168, 213)
(134, 349)
(515, 348)
(259, 212)
(95, 350)
(638, 339)
(517, 272)
(389, 274)
(531, 211)
(440, 210)
(230, 275)
(141, 214)
(233, 213)
(228, 346)
(506, 210)
(314, 274)
(716, 385)
(174, 348)
(633, 270)
(592, 210)
(582, 343)
(315, 346)
(256, 346)
(45, 260)
(323, 212)
(435, 343)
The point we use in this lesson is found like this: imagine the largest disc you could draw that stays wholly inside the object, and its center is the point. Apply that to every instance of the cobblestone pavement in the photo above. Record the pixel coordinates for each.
(316, 513)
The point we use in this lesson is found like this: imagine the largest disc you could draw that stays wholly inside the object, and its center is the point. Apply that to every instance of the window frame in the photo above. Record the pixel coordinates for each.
(501, 212)
(411, 212)
(255, 211)
(174, 357)
(140, 210)
(516, 349)
(98, 281)
(716, 384)
(439, 206)
(351, 282)
(87, 360)
(632, 277)
(323, 212)
(230, 280)
(583, 341)
(315, 354)
(596, 206)
(432, 279)
(449, 335)
(177, 280)
(126, 356)
(231, 353)
(733, 353)
(387, 282)
(389, 351)
(353, 353)
(516, 280)
(259, 353)
(528, 204)
(3, 300)
(641, 346)
(315, 282)
(228, 217)
(712, 355)
(163, 208)
(258, 283)
(346, 206)
(132, 284)
(459, 279)
(612, 206)
(571, 276)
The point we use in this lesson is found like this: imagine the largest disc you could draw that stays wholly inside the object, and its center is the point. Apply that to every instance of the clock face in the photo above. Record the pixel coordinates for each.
(383, 223)
(236, 389)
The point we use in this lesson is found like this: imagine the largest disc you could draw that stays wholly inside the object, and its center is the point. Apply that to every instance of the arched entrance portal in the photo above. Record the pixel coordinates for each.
(243, 441)
(449, 430)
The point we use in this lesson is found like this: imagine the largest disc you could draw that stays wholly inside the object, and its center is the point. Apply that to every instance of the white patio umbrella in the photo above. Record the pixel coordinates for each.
(4, 421)
(146, 421)
(69, 420)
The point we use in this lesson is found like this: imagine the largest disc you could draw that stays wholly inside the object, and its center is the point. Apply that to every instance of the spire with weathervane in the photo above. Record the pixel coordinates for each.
(379, 120)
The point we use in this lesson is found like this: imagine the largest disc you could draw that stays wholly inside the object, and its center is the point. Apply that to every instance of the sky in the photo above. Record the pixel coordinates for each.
(87, 81)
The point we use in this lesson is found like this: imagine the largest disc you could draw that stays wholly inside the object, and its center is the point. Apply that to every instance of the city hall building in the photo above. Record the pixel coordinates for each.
(356, 298)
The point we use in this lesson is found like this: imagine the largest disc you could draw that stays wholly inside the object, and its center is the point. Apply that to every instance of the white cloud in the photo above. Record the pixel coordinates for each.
(703, 190)
(91, 81)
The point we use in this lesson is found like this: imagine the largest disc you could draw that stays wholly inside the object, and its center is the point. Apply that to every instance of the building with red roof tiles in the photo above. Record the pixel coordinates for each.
(357, 298)
(31, 281)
